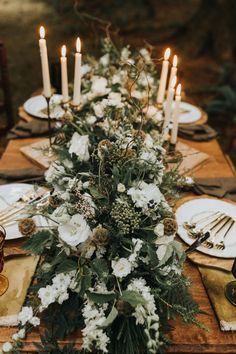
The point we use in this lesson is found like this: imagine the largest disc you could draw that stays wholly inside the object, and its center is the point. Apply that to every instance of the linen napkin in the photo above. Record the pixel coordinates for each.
(11, 175)
(222, 187)
(201, 132)
(35, 127)
(215, 281)
(19, 271)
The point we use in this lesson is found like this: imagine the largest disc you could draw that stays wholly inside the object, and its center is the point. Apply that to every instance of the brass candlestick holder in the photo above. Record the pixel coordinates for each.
(49, 119)
(4, 283)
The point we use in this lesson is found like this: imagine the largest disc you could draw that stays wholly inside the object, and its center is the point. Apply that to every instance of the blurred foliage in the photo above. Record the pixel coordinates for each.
(224, 101)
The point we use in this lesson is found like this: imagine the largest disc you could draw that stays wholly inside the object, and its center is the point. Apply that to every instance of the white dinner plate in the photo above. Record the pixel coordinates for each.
(200, 206)
(188, 113)
(10, 193)
(36, 106)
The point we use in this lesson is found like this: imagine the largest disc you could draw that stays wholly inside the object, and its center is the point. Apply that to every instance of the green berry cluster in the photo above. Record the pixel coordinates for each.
(125, 217)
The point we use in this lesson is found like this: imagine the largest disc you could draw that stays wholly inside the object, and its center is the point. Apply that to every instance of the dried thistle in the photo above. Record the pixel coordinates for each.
(27, 226)
(170, 226)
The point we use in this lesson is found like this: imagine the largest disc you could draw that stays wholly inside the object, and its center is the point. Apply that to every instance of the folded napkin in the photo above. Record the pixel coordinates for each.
(223, 187)
(19, 271)
(23, 129)
(201, 132)
(20, 174)
(215, 281)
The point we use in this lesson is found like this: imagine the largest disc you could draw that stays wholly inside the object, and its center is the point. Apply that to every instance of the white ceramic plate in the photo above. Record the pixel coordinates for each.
(36, 106)
(196, 207)
(189, 113)
(10, 193)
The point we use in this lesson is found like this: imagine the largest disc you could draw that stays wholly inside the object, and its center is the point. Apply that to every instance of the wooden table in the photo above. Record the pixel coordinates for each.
(186, 339)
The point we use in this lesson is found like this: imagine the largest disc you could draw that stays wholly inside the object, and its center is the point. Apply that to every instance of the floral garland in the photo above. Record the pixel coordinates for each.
(110, 264)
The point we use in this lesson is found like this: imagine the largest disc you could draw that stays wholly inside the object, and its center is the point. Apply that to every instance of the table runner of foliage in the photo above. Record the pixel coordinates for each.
(110, 265)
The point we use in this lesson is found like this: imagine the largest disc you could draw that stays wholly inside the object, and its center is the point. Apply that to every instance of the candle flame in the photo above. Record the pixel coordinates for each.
(42, 32)
(78, 45)
(167, 54)
(63, 51)
(173, 82)
(175, 61)
(178, 90)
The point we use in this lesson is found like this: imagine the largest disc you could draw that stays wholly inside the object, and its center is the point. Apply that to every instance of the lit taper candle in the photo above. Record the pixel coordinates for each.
(163, 78)
(173, 71)
(174, 132)
(44, 63)
(64, 76)
(168, 108)
(77, 74)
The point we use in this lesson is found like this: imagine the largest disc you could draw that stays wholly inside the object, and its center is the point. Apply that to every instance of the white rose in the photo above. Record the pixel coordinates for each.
(7, 347)
(121, 188)
(121, 268)
(79, 146)
(75, 231)
(145, 195)
(99, 86)
(25, 315)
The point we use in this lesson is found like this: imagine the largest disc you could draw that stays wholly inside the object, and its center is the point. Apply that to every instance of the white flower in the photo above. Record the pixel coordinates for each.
(189, 181)
(7, 347)
(60, 214)
(114, 99)
(121, 188)
(15, 336)
(79, 146)
(86, 185)
(121, 268)
(153, 113)
(55, 171)
(104, 60)
(85, 69)
(125, 53)
(159, 229)
(91, 120)
(99, 109)
(63, 297)
(146, 55)
(47, 296)
(75, 231)
(25, 315)
(21, 333)
(35, 321)
(116, 79)
(99, 86)
(145, 195)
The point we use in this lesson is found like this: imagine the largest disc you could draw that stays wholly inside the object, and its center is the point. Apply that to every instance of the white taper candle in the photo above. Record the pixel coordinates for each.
(168, 108)
(174, 132)
(77, 74)
(163, 78)
(173, 71)
(64, 76)
(44, 63)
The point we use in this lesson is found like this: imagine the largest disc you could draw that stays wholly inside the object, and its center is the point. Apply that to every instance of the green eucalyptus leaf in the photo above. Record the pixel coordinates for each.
(133, 298)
